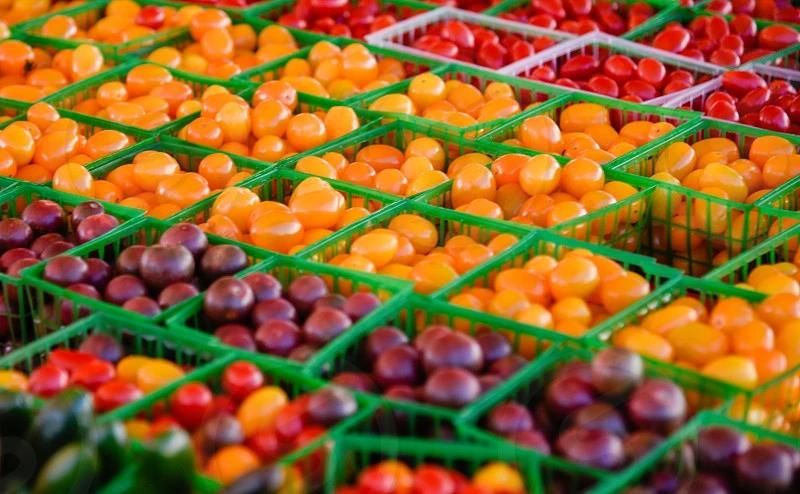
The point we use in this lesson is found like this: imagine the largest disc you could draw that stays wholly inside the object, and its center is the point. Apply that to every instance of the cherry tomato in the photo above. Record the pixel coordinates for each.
(191, 405)
(240, 379)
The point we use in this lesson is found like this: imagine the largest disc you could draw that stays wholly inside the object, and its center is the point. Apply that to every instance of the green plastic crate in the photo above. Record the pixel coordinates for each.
(144, 231)
(542, 242)
(278, 185)
(136, 338)
(128, 480)
(189, 316)
(292, 382)
(788, 57)
(271, 71)
(416, 314)
(526, 388)
(525, 91)
(17, 315)
(448, 224)
(188, 156)
(772, 405)
(86, 15)
(668, 454)
(620, 113)
(353, 453)
(74, 94)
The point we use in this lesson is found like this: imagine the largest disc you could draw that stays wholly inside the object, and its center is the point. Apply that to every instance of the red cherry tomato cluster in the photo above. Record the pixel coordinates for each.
(100, 366)
(618, 76)
(249, 422)
(344, 18)
(715, 39)
(225, 3)
(478, 45)
(583, 16)
(778, 10)
(471, 5)
(746, 97)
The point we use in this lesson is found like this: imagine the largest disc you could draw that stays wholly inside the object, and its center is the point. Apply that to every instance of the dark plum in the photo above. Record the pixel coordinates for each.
(222, 260)
(124, 287)
(305, 290)
(323, 325)
(658, 405)
(331, 301)
(163, 265)
(429, 334)
(331, 405)
(567, 395)
(41, 243)
(401, 392)
(85, 289)
(639, 443)
(600, 416)
(577, 369)
(229, 329)
(102, 346)
(220, 431)
(507, 366)
(278, 337)
(68, 308)
(95, 226)
(176, 293)
(453, 350)
(489, 381)
(592, 447)
(359, 381)
(264, 286)
(14, 233)
(616, 371)
(56, 249)
(145, 306)
(44, 216)
(302, 353)
(383, 339)
(65, 270)
(509, 418)
(398, 365)
(244, 341)
(718, 446)
(531, 439)
(494, 346)
(15, 269)
(85, 210)
(13, 255)
(764, 468)
(6, 322)
(703, 484)
(187, 235)
(129, 260)
(228, 300)
(452, 388)
(360, 304)
(98, 274)
(268, 310)
(665, 481)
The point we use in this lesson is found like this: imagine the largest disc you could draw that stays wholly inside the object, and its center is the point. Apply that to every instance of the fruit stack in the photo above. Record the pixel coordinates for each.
(392, 246)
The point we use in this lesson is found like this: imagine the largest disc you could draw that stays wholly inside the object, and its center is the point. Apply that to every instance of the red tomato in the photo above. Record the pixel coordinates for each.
(114, 394)
(240, 379)
(92, 375)
(491, 55)
(580, 67)
(266, 445)
(741, 82)
(48, 380)
(724, 57)
(674, 40)
(652, 71)
(777, 37)
(603, 85)
(774, 118)
(457, 32)
(151, 16)
(543, 73)
(754, 100)
(191, 404)
(724, 111)
(69, 360)
(619, 67)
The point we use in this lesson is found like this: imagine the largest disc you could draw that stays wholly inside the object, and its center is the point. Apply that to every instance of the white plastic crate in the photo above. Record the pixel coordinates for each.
(595, 42)
(398, 36)
(695, 97)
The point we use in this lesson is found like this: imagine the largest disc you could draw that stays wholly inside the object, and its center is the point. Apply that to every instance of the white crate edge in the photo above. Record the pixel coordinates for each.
(382, 38)
(599, 37)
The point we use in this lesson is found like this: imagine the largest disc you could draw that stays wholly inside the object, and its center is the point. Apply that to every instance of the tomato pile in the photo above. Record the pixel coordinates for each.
(275, 257)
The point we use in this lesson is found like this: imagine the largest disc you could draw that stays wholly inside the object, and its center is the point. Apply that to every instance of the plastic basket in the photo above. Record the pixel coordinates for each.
(400, 35)
(448, 223)
(772, 405)
(188, 156)
(412, 64)
(527, 387)
(86, 16)
(189, 315)
(600, 46)
(292, 382)
(278, 185)
(526, 92)
(51, 303)
(620, 113)
(74, 94)
(788, 57)
(661, 278)
(353, 453)
(17, 314)
(400, 8)
(669, 452)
